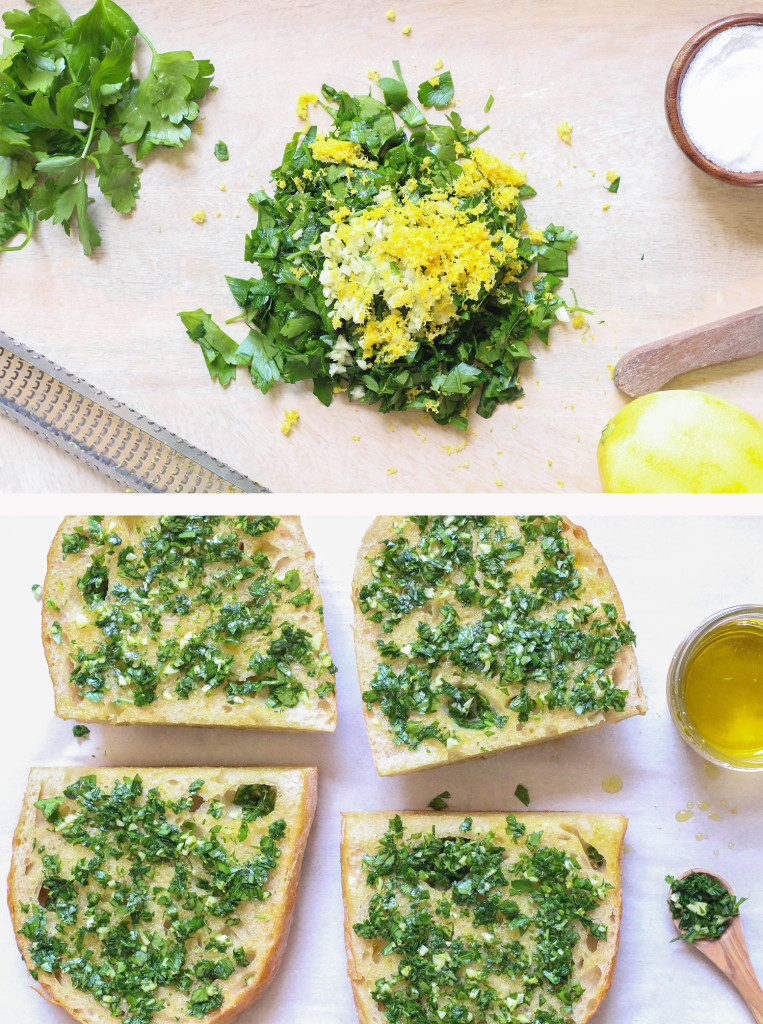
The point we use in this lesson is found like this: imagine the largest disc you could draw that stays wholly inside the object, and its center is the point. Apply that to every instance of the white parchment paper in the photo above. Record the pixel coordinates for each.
(671, 572)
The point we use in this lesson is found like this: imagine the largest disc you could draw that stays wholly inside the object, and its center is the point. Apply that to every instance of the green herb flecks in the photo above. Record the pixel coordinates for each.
(190, 607)
(701, 906)
(221, 151)
(80, 731)
(440, 311)
(439, 802)
(526, 650)
(70, 104)
(461, 918)
(146, 908)
(522, 794)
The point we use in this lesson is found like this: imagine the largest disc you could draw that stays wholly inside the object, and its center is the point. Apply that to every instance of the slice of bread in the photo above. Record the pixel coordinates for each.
(195, 912)
(468, 637)
(450, 909)
(187, 620)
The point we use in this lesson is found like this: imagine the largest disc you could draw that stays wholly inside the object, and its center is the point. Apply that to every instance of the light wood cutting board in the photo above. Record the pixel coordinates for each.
(674, 249)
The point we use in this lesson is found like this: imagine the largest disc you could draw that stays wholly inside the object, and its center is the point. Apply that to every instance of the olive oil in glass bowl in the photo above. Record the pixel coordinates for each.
(715, 688)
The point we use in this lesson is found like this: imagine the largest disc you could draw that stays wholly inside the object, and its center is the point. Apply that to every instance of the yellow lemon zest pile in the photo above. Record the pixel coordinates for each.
(416, 256)
(338, 151)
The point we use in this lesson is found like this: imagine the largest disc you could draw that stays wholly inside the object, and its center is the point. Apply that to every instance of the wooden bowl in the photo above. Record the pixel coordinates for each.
(673, 87)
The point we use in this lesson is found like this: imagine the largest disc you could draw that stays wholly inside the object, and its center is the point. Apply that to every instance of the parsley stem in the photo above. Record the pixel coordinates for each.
(235, 319)
(148, 42)
(91, 133)
(17, 248)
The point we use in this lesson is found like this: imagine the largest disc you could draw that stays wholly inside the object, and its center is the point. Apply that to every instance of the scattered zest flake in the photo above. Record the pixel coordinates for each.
(407, 30)
(200, 217)
(390, 15)
(564, 131)
(304, 102)
(290, 417)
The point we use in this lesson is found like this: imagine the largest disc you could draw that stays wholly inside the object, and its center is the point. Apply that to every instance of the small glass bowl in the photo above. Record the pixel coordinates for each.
(685, 726)
(673, 109)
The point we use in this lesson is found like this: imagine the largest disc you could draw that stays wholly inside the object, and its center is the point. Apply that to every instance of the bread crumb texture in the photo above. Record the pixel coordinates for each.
(152, 895)
(481, 633)
(481, 917)
(187, 620)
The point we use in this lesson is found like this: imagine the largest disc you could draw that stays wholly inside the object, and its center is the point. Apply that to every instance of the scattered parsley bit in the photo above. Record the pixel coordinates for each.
(522, 795)
(55, 632)
(69, 104)
(221, 151)
(80, 731)
(37, 590)
(701, 905)
(614, 181)
(418, 333)
(439, 803)
(489, 103)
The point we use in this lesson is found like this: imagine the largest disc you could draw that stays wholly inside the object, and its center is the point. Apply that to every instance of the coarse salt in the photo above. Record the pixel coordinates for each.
(721, 97)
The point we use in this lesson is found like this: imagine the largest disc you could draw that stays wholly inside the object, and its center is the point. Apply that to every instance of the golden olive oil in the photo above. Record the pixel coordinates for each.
(723, 688)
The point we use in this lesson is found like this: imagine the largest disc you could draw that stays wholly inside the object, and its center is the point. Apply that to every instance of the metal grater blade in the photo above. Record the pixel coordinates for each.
(104, 433)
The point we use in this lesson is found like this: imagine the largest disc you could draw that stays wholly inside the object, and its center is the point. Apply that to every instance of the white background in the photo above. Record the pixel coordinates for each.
(671, 572)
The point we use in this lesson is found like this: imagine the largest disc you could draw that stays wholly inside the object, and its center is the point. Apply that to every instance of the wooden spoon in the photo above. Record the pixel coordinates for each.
(730, 956)
(650, 367)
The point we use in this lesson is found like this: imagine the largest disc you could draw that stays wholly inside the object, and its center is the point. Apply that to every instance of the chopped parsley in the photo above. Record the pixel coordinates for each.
(522, 794)
(701, 906)
(439, 802)
(394, 259)
(189, 605)
(70, 103)
(145, 910)
(80, 731)
(221, 151)
(463, 645)
(478, 925)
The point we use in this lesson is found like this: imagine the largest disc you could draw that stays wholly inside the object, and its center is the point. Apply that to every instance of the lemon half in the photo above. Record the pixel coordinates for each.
(682, 442)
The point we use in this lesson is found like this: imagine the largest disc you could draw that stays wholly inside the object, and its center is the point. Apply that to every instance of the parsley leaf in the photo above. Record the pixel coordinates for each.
(221, 151)
(522, 795)
(437, 92)
(69, 103)
(439, 803)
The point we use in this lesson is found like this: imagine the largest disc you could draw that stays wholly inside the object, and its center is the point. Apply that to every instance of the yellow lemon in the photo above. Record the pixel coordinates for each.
(682, 442)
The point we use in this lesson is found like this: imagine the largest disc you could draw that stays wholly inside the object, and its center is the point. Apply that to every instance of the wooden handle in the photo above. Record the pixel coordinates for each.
(730, 955)
(650, 367)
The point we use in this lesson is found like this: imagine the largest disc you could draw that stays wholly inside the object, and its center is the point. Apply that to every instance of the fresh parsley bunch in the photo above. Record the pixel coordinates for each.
(70, 103)
(383, 155)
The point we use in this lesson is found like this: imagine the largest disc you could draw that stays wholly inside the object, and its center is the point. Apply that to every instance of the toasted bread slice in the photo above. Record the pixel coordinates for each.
(195, 911)
(462, 901)
(466, 633)
(187, 620)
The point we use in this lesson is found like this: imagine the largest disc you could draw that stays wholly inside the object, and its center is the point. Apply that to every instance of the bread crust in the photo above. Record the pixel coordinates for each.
(361, 831)
(23, 880)
(287, 543)
(392, 759)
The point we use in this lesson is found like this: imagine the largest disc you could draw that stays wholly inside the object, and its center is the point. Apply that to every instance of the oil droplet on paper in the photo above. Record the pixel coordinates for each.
(684, 815)
(690, 805)
(700, 836)
(714, 816)
(612, 784)
(712, 771)
(704, 805)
